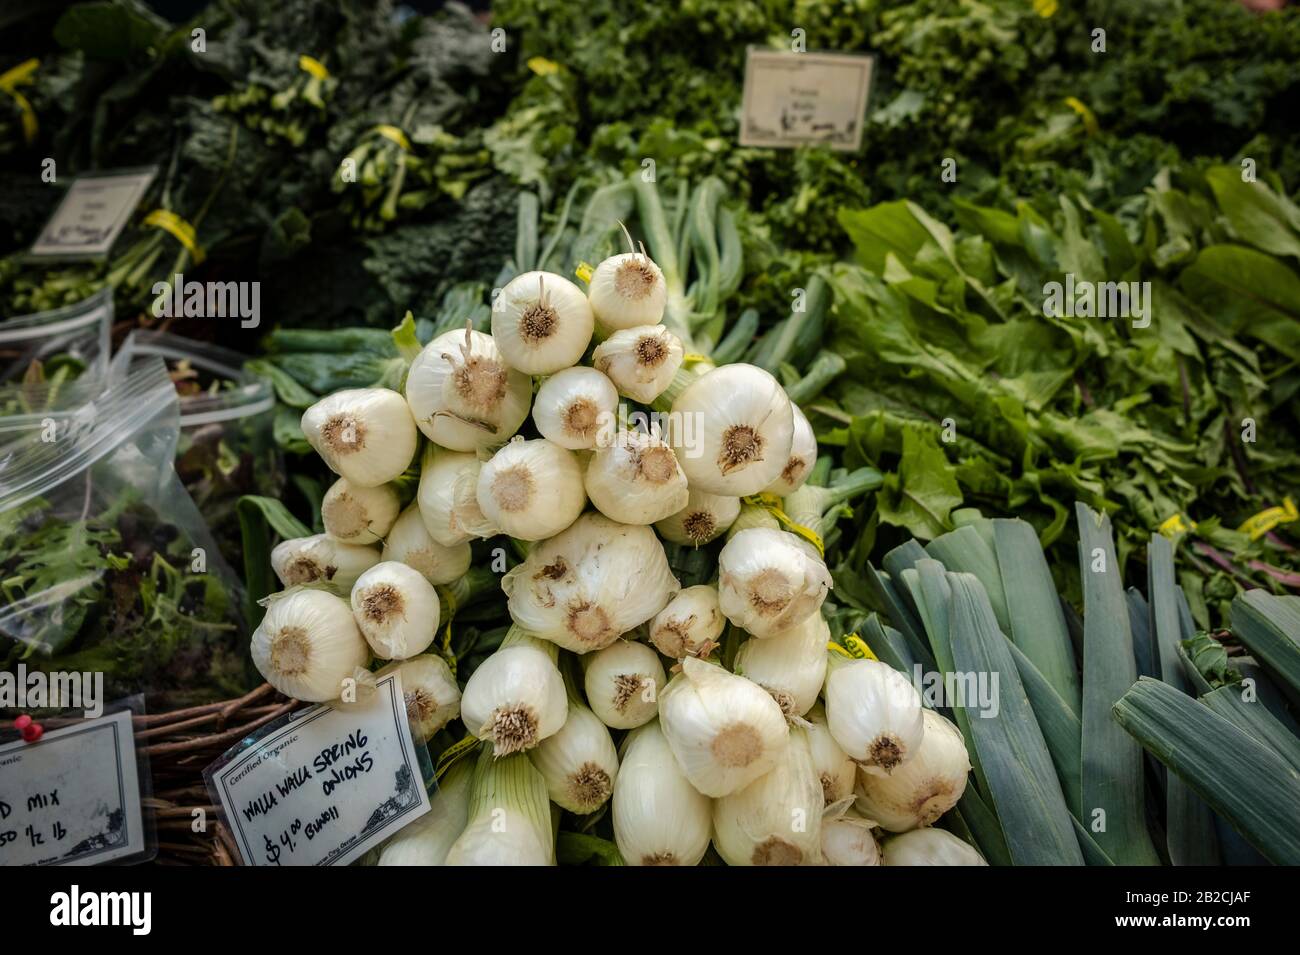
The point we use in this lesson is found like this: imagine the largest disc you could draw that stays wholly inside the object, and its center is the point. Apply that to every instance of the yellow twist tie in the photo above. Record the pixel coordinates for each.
(1045, 8)
(453, 753)
(584, 271)
(772, 504)
(309, 64)
(183, 232)
(542, 66)
(1263, 522)
(1176, 524)
(394, 134)
(695, 358)
(855, 648)
(1089, 118)
(9, 80)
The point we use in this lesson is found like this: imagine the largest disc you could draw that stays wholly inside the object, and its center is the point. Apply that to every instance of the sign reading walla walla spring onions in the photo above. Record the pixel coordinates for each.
(796, 99)
(325, 785)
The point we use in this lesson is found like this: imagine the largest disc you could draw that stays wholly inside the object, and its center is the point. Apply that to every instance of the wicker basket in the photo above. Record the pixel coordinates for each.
(180, 744)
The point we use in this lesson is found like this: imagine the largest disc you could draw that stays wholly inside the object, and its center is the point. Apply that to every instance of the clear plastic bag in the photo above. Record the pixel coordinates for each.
(72, 342)
(106, 565)
(227, 444)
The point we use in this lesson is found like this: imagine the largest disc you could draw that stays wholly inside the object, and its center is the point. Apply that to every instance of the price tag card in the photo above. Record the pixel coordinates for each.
(92, 214)
(324, 786)
(800, 99)
(73, 797)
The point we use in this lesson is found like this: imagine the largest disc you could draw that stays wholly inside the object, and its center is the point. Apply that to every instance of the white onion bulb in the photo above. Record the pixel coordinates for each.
(622, 683)
(531, 489)
(396, 609)
(509, 816)
(579, 762)
(836, 771)
(364, 434)
(590, 583)
(515, 698)
(874, 713)
(572, 406)
(541, 322)
(776, 819)
(848, 840)
(930, 847)
(640, 361)
(359, 515)
(431, 694)
(690, 625)
(448, 497)
(768, 582)
(636, 479)
(925, 787)
(659, 817)
(308, 644)
(705, 517)
(733, 429)
(628, 290)
(410, 542)
(803, 455)
(321, 559)
(791, 665)
(462, 394)
(724, 730)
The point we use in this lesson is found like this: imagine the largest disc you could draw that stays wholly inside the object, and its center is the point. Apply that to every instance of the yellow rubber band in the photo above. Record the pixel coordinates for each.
(1176, 524)
(447, 653)
(452, 753)
(1263, 522)
(1089, 117)
(836, 648)
(772, 504)
(542, 66)
(695, 358)
(1045, 8)
(394, 134)
(183, 232)
(309, 64)
(584, 271)
(9, 80)
(855, 648)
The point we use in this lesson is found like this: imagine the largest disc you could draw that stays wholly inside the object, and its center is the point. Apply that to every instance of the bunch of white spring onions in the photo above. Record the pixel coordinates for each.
(609, 687)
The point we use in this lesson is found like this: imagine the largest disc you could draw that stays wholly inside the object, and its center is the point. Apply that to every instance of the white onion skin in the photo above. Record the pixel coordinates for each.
(609, 697)
(848, 840)
(573, 405)
(410, 542)
(308, 644)
(396, 609)
(791, 665)
(363, 434)
(768, 583)
(636, 479)
(531, 490)
(463, 395)
(659, 817)
(724, 730)
(802, 458)
(321, 559)
(705, 518)
(921, 790)
(541, 322)
(733, 429)
(615, 308)
(874, 713)
(690, 625)
(929, 847)
(623, 357)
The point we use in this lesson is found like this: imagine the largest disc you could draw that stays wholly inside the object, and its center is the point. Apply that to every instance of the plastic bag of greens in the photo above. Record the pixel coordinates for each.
(227, 415)
(55, 360)
(106, 565)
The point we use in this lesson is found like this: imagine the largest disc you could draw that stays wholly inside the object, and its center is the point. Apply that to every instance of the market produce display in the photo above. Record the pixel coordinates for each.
(930, 502)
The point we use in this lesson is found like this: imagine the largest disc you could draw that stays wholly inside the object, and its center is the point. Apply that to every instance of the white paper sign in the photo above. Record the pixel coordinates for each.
(93, 214)
(73, 797)
(798, 99)
(324, 787)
